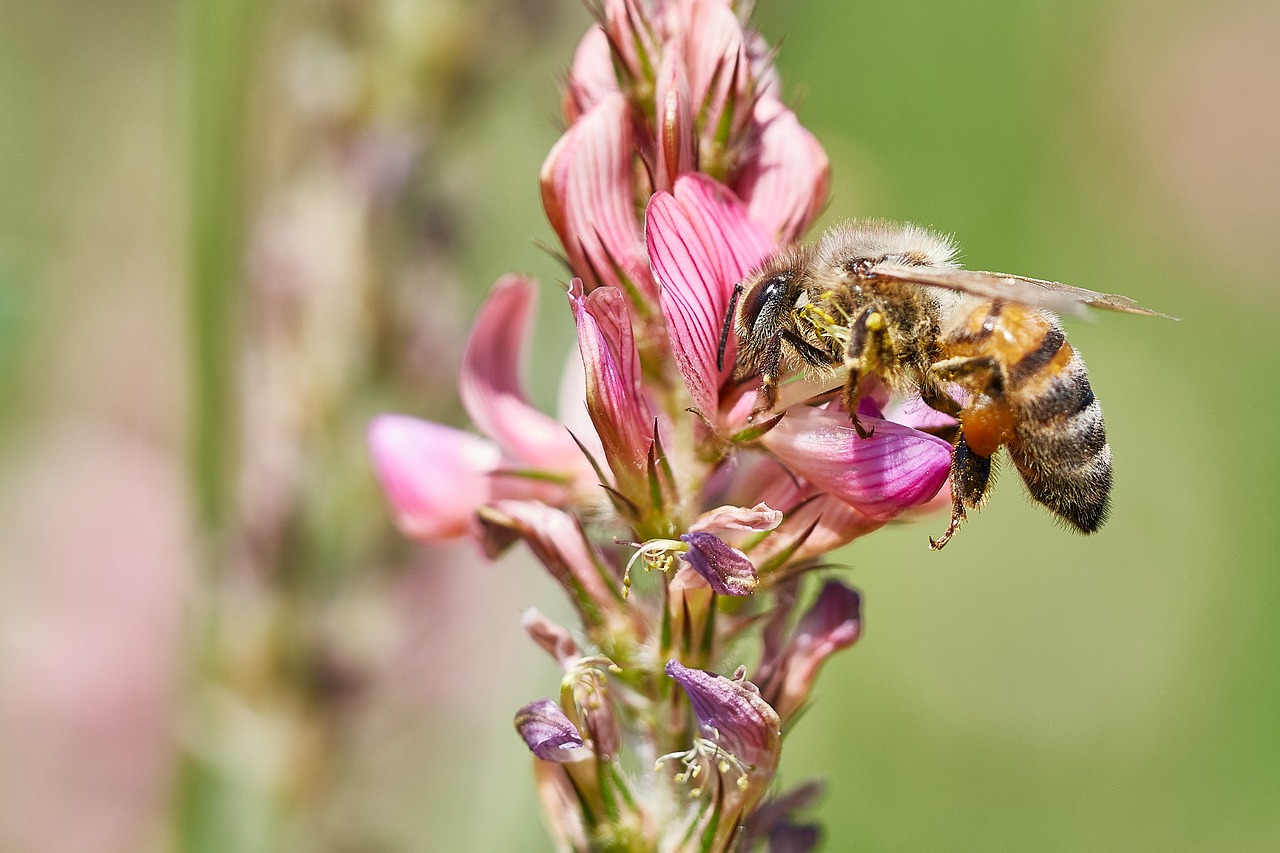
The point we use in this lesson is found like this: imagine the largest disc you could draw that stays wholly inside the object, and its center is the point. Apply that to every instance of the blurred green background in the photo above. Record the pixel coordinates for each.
(1026, 689)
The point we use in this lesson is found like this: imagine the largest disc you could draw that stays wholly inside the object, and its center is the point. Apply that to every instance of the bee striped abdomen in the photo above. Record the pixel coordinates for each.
(1060, 448)
(1053, 428)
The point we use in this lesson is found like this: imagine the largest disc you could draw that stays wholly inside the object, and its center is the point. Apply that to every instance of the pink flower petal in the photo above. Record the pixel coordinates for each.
(719, 69)
(785, 185)
(490, 385)
(588, 191)
(629, 26)
(591, 75)
(435, 477)
(701, 242)
(892, 471)
(615, 400)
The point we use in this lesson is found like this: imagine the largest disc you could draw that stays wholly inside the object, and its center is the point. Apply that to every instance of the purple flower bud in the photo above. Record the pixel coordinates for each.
(547, 731)
(732, 713)
(726, 569)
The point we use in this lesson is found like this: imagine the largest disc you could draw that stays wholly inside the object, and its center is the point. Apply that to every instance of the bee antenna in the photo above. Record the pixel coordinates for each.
(728, 324)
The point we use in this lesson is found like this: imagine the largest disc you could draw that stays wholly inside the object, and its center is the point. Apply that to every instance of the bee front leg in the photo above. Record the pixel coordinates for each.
(970, 482)
(768, 394)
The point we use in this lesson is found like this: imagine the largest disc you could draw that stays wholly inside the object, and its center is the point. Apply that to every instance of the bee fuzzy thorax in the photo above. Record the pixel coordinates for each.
(881, 241)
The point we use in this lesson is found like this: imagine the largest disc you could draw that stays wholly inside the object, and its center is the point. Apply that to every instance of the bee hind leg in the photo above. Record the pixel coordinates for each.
(970, 482)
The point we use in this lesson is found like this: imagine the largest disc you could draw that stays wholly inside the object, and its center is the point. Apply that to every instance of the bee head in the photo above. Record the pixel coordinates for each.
(763, 296)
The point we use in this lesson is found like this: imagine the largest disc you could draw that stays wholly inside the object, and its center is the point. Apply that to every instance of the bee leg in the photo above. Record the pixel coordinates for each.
(966, 369)
(940, 401)
(768, 395)
(970, 481)
(868, 335)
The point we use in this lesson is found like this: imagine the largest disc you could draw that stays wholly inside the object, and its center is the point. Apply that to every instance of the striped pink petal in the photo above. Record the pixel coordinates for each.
(895, 469)
(785, 185)
(491, 389)
(615, 401)
(701, 243)
(435, 477)
(588, 192)
(591, 75)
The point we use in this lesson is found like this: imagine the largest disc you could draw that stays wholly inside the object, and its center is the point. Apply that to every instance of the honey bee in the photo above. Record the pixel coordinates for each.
(875, 298)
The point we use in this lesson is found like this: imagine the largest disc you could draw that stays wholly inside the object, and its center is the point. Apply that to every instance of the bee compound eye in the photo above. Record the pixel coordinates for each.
(767, 292)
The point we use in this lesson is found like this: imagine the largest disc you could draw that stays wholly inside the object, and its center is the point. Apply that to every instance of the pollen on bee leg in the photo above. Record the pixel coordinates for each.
(875, 322)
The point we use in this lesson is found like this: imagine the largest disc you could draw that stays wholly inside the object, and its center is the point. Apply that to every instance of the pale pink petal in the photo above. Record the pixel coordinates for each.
(615, 400)
(701, 242)
(675, 143)
(588, 191)
(757, 518)
(785, 184)
(895, 469)
(591, 76)
(435, 477)
(490, 385)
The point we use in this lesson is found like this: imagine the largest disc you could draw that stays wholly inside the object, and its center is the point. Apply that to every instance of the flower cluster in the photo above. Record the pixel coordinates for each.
(680, 171)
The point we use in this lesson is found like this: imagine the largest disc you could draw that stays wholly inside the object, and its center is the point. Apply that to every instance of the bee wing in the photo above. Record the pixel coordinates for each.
(1002, 287)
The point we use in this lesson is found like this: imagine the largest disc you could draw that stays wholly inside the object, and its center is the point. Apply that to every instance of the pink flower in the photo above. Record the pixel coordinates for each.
(436, 477)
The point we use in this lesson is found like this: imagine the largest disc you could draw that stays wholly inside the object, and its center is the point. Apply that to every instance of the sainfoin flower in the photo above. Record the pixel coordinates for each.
(680, 171)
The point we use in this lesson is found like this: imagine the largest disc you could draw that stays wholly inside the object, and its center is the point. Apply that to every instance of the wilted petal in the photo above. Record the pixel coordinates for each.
(490, 386)
(701, 242)
(785, 184)
(554, 639)
(732, 713)
(675, 143)
(547, 731)
(435, 477)
(756, 518)
(819, 526)
(591, 75)
(726, 569)
(588, 192)
(611, 363)
(561, 804)
(895, 469)
(557, 540)
(834, 622)
(794, 838)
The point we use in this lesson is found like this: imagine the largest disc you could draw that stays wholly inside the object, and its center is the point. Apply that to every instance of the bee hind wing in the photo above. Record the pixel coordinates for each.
(996, 286)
